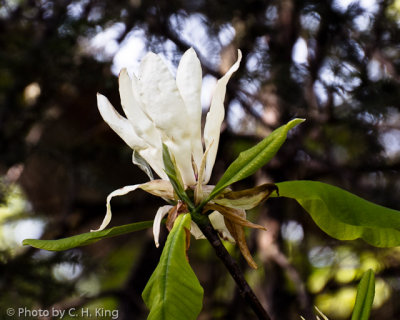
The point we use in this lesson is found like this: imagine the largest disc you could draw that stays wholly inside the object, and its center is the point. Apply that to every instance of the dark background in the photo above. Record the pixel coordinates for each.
(59, 160)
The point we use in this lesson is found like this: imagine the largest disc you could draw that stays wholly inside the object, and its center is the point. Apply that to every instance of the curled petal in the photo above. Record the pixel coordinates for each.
(161, 212)
(150, 187)
(188, 80)
(115, 193)
(215, 116)
(118, 123)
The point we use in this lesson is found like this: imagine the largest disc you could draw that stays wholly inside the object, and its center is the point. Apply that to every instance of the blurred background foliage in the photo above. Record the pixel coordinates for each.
(335, 63)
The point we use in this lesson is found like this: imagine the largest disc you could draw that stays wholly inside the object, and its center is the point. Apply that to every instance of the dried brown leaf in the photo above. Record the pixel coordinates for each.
(246, 199)
(237, 216)
(238, 234)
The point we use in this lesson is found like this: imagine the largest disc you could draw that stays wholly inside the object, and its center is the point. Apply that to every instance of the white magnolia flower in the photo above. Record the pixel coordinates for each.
(161, 110)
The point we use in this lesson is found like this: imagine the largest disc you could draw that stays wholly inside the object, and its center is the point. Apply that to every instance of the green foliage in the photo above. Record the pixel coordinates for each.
(343, 215)
(251, 160)
(86, 238)
(365, 296)
(173, 291)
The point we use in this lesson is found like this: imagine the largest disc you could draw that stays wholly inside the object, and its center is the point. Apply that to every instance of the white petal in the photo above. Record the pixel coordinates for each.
(215, 116)
(118, 123)
(188, 80)
(161, 212)
(217, 221)
(153, 157)
(163, 104)
(128, 88)
(130, 101)
(195, 231)
(159, 188)
(181, 149)
(115, 193)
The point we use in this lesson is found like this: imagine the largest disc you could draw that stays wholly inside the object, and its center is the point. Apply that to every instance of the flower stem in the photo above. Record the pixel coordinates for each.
(233, 268)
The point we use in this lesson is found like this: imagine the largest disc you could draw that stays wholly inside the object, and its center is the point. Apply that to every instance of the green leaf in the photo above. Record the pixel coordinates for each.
(173, 291)
(251, 160)
(174, 177)
(86, 238)
(344, 215)
(365, 296)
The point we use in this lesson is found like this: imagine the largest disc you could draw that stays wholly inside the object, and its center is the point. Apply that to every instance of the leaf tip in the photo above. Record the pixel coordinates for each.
(295, 122)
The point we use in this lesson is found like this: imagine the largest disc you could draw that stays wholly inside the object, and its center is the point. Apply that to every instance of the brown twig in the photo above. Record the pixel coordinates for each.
(233, 268)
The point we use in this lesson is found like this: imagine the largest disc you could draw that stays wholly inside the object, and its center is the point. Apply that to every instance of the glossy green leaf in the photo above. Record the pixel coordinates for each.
(251, 160)
(344, 215)
(365, 296)
(86, 238)
(173, 291)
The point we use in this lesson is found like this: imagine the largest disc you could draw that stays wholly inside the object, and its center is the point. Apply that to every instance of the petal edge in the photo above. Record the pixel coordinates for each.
(215, 116)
